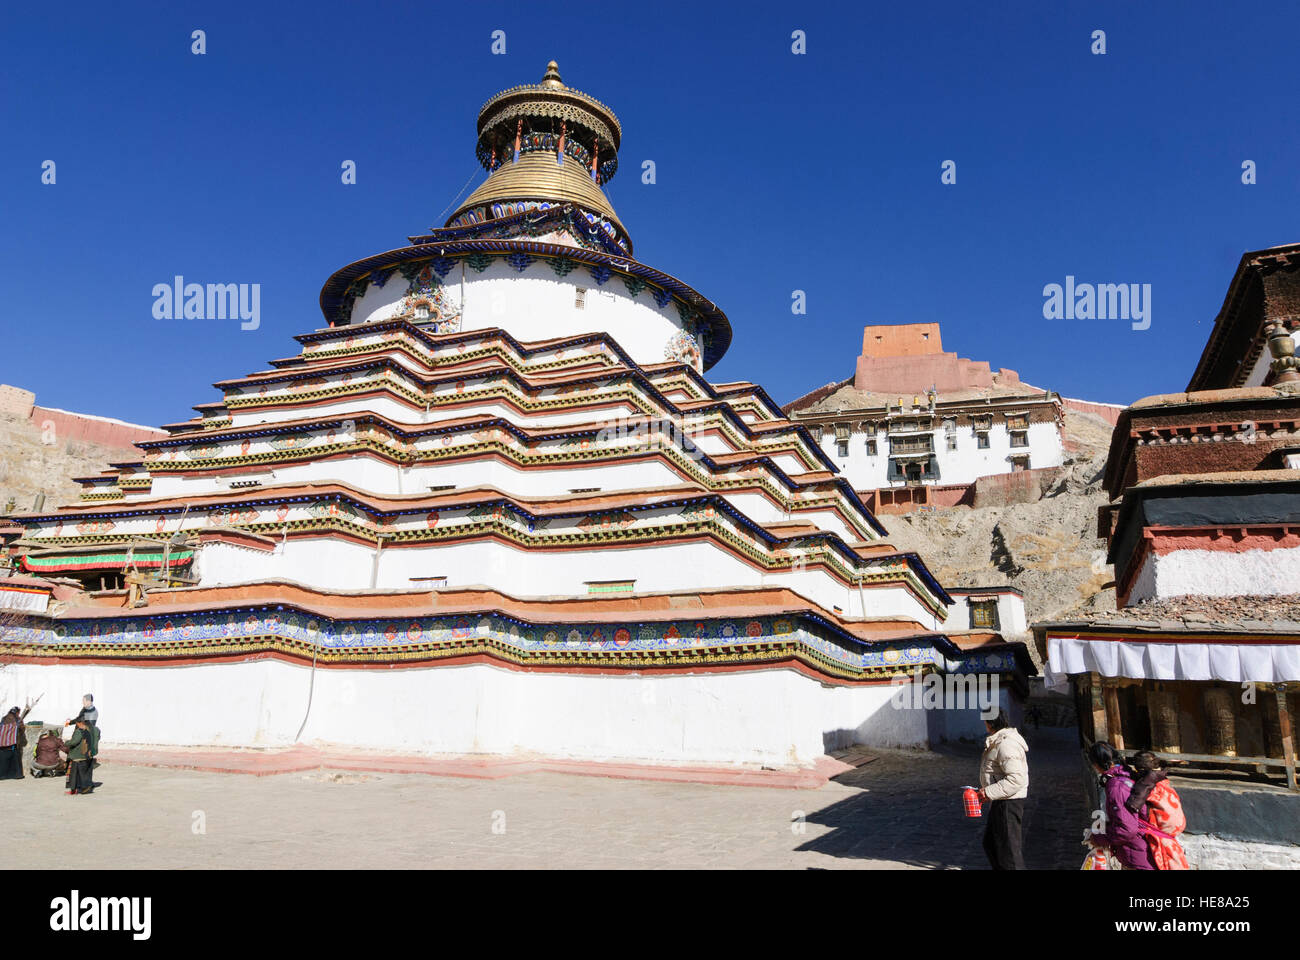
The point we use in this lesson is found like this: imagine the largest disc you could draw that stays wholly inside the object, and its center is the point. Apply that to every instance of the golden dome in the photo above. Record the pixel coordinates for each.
(535, 116)
(538, 177)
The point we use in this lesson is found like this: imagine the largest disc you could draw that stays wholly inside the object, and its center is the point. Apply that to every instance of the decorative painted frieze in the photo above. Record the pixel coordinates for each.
(636, 645)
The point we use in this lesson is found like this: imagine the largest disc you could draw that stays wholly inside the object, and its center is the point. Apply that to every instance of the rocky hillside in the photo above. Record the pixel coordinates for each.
(29, 466)
(1047, 549)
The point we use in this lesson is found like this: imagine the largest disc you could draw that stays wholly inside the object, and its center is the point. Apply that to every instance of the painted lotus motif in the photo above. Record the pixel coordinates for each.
(333, 510)
(233, 517)
(291, 441)
(95, 526)
(606, 521)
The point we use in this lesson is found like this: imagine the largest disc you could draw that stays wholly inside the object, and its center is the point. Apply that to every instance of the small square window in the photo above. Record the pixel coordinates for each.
(871, 448)
(1019, 438)
(984, 614)
(842, 447)
(982, 440)
(952, 441)
(610, 586)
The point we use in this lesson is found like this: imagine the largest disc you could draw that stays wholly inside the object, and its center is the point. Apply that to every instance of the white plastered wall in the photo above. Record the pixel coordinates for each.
(774, 716)
(538, 305)
(1218, 573)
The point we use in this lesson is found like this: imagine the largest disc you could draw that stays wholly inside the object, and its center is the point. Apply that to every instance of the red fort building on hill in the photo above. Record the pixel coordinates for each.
(918, 426)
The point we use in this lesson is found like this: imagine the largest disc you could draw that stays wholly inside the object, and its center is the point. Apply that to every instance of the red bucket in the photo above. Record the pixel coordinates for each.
(971, 801)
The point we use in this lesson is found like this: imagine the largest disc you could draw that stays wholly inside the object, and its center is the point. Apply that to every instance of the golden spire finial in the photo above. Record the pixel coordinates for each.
(552, 77)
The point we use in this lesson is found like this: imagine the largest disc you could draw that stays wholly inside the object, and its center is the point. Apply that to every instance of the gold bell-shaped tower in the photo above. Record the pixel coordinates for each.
(545, 144)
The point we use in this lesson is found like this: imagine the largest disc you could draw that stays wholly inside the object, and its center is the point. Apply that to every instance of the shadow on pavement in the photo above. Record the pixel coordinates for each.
(910, 811)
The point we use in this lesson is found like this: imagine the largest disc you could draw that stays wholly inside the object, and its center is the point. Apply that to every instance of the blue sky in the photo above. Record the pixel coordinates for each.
(775, 172)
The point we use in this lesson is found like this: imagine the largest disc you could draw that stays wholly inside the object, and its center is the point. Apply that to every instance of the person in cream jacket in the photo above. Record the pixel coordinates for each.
(1004, 785)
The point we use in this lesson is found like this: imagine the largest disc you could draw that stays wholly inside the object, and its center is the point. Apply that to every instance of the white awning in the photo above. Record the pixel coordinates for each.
(24, 598)
(1231, 662)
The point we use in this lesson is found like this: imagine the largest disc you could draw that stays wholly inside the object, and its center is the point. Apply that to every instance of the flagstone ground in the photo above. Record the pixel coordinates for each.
(901, 810)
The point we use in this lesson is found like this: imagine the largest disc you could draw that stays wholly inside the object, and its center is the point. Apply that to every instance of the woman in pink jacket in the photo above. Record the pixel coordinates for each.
(1122, 834)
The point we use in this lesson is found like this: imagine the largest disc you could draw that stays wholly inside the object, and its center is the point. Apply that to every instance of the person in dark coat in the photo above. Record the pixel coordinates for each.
(10, 755)
(47, 759)
(78, 751)
(90, 713)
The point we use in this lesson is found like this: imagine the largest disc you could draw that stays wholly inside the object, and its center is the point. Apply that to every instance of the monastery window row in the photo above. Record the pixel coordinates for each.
(906, 445)
(925, 443)
(908, 426)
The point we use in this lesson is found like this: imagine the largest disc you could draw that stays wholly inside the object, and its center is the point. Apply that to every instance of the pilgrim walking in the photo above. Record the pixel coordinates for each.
(13, 738)
(1123, 834)
(79, 758)
(1004, 785)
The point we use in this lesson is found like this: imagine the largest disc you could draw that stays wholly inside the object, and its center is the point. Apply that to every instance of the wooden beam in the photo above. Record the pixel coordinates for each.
(1288, 734)
(1112, 715)
(1177, 760)
(1099, 729)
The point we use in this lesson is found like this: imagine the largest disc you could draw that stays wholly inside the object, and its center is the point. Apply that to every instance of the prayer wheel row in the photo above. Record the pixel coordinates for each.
(1220, 722)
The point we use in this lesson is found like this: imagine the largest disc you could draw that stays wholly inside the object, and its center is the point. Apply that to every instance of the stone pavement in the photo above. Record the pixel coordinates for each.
(900, 810)
(908, 811)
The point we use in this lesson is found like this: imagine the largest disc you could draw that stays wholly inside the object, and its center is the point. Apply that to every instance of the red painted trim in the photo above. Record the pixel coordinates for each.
(1162, 541)
(1121, 635)
(1229, 539)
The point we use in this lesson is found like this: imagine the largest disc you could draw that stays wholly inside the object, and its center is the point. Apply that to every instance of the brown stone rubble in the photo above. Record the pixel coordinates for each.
(1247, 614)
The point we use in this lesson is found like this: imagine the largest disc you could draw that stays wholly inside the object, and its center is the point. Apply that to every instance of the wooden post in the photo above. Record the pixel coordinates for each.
(1099, 730)
(1288, 742)
(1112, 716)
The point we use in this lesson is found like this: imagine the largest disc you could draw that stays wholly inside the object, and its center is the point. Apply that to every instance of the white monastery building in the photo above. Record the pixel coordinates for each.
(915, 417)
(494, 506)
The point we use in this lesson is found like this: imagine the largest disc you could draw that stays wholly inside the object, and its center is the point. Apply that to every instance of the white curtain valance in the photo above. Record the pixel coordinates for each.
(27, 601)
(1231, 662)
